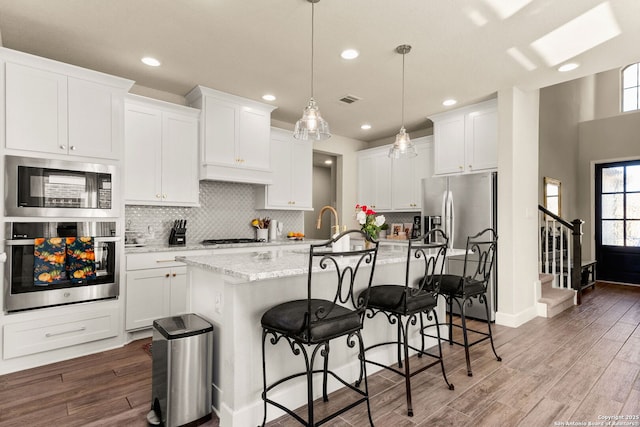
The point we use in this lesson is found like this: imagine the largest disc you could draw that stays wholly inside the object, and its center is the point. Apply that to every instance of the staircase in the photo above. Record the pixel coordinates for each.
(560, 263)
(552, 300)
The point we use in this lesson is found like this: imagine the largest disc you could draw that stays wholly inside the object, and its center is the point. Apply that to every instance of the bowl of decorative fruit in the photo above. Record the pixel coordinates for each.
(295, 235)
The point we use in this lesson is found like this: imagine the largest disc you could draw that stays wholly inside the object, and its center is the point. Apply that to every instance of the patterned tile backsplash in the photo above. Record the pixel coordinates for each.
(226, 210)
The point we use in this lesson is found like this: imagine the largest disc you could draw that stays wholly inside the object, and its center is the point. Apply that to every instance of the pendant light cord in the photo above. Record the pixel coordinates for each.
(312, 38)
(403, 55)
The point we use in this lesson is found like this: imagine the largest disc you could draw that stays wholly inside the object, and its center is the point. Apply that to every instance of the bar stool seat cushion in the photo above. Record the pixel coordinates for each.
(451, 285)
(392, 297)
(290, 319)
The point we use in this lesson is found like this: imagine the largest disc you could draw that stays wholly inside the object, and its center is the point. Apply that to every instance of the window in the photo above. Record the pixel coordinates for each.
(620, 204)
(630, 87)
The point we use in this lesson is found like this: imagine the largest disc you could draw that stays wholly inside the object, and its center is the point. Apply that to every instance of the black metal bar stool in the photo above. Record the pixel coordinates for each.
(328, 312)
(405, 304)
(472, 286)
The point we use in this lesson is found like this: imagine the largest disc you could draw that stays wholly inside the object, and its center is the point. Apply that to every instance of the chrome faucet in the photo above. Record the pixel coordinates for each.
(335, 228)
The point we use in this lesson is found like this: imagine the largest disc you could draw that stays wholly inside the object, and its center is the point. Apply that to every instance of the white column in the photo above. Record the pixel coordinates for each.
(517, 205)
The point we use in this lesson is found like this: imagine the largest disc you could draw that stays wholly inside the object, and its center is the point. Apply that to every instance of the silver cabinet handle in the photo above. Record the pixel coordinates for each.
(54, 334)
(73, 147)
(63, 147)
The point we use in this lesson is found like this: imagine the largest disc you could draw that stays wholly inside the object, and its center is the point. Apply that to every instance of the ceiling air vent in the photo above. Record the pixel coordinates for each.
(349, 99)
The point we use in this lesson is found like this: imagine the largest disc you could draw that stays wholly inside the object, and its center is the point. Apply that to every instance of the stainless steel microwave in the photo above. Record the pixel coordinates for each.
(58, 188)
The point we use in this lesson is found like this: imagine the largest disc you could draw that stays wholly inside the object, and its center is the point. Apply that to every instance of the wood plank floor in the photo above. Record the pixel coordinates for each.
(582, 364)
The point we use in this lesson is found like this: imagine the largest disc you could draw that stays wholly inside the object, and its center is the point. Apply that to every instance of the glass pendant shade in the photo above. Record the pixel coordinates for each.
(403, 147)
(311, 126)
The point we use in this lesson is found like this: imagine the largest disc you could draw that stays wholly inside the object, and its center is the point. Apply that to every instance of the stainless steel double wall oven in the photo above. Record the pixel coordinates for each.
(59, 201)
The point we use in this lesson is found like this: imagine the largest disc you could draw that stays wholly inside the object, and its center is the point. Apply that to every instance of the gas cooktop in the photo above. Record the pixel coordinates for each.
(228, 241)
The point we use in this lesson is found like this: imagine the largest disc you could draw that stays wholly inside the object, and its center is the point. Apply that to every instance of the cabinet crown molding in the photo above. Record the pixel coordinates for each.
(200, 91)
(465, 110)
(68, 70)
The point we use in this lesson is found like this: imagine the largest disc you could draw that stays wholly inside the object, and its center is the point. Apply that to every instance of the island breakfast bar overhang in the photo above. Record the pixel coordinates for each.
(232, 291)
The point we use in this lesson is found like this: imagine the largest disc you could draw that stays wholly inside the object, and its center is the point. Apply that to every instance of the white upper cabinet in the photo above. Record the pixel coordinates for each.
(161, 153)
(374, 179)
(292, 164)
(386, 184)
(55, 108)
(235, 137)
(466, 140)
(407, 174)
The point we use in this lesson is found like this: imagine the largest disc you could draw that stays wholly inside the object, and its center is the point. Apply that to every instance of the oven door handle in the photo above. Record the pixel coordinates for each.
(27, 242)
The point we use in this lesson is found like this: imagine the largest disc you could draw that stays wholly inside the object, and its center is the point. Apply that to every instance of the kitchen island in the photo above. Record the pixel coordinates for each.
(232, 291)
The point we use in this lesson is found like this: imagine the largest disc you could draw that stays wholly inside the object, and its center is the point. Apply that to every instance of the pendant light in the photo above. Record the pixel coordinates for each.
(402, 147)
(312, 126)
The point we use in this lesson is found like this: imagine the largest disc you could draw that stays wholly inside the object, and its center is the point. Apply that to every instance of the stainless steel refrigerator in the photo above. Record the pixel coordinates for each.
(467, 205)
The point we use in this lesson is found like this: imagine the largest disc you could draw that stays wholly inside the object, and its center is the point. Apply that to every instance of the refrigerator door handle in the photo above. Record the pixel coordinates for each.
(452, 220)
(448, 225)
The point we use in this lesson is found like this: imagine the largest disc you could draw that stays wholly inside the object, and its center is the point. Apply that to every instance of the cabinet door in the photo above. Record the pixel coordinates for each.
(423, 168)
(142, 161)
(93, 123)
(374, 180)
(220, 132)
(179, 159)
(253, 139)
(302, 174)
(148, 297)
(382, 179)
(279, 193)
(178, 303)
(402, 191)
(449, 145)
(366, 180)
(36, 109)
(482, 140)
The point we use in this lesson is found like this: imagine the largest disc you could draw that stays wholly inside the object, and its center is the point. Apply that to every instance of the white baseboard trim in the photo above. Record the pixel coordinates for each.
(517, 319)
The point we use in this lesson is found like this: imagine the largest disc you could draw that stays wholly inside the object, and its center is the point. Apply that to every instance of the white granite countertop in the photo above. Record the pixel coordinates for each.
(136, 249)
(271, 264)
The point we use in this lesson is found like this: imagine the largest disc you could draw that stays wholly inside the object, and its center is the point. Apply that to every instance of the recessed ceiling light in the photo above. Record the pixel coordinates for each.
(365, 126)
(449, 102)
(349, 54)
(269, 97)
(568, 67)
(152, 62)
(327, 162)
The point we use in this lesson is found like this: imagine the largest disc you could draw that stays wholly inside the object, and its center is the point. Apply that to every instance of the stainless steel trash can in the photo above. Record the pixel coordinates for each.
(181, 371)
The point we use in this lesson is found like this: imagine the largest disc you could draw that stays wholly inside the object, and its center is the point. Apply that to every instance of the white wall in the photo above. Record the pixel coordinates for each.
(601, 141)
(346, 174)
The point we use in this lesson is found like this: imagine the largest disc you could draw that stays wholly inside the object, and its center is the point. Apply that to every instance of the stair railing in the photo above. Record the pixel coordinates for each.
(561, 255)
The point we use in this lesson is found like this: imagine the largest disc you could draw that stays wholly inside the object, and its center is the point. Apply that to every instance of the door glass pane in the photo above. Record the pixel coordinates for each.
(612, 179)
(633, 233)
(630, 76)
(612, 233)
(633, 178)
(612, 206)
(633, 206)
(630, 99)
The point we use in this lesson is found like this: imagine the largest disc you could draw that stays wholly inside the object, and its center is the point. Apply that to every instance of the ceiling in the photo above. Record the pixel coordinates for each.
(464, 49)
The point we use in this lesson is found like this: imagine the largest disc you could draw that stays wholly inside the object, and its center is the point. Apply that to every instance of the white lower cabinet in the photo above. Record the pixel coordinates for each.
(54, 332)
(156, 287)
(153, 294)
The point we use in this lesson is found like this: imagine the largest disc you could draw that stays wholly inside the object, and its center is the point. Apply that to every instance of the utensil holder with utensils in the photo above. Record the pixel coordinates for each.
(178, 235)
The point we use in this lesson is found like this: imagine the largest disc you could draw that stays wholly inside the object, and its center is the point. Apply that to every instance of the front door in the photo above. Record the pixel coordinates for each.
(617, 225)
